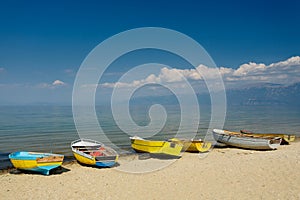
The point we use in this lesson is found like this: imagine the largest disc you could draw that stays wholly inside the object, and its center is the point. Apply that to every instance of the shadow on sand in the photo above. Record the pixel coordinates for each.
(56, 171)
(98, 167)
(145, 156)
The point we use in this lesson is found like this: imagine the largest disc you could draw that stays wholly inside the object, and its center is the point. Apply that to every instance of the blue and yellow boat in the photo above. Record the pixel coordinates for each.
(91, 152)
(34, 161)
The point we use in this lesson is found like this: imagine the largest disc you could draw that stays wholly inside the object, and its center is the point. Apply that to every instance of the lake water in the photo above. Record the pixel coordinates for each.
(52, 128)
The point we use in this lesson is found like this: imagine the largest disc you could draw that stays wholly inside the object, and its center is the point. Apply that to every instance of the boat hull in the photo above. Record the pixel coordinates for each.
(248, 142)
(93, 153)
(193, 145)
(155, 147)
(38, 162)
(84, 159)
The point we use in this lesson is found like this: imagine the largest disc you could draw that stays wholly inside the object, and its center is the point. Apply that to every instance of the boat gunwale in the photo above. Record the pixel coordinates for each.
(237, 134)
(152, 141)
(286, 138)
(142, 139)
(86, 140)
(32, 155)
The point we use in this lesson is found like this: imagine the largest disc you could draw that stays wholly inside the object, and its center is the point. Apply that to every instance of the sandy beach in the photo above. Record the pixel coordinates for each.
(224, 173)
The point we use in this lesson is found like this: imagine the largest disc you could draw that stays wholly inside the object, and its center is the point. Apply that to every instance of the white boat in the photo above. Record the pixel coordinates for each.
(91, 152)
(246, 141)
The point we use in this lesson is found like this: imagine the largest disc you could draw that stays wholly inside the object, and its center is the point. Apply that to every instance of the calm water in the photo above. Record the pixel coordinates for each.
(51, 128)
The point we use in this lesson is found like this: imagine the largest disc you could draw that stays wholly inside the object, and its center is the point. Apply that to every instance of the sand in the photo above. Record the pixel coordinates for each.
(225, 173)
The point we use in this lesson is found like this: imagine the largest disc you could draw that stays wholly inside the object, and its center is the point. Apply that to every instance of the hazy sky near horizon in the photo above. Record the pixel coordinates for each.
(42, 44)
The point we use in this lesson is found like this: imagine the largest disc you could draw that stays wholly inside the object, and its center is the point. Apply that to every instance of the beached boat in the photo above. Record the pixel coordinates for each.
(193, 145)
(34, 161)
(246, 141)
(91, 152)
(286, 139)
(155, 146)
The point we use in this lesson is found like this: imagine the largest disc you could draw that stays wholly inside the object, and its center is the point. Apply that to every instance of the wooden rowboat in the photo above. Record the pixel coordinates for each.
(246, 141)
(91, 152)
(286, 139)
(193, 145)
(34, 161)
(155, 147)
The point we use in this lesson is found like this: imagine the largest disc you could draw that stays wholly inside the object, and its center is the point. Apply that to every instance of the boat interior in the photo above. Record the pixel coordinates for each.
(97, 151)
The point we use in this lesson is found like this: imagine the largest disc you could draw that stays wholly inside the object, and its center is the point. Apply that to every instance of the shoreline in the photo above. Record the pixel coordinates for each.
(71, 159)
(224, 173)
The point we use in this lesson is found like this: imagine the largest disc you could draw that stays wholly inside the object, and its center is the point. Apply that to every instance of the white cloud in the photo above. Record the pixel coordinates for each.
(170, 75)
(293, 61)
(284, 72)
(55, 84)
(58, 82)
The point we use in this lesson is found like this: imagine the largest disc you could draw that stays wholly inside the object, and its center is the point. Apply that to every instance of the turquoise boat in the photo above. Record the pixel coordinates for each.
(34, 161)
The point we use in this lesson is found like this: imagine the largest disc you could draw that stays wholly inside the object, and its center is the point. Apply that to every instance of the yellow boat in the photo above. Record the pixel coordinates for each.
(286, 139)
(155, 147)
(193, 145)
(38, 162)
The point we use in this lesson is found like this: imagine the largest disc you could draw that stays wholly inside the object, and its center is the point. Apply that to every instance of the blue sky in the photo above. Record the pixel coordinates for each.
(41, 42)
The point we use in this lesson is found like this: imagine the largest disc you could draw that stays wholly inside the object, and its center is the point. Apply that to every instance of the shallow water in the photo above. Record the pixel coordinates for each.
(52, 129)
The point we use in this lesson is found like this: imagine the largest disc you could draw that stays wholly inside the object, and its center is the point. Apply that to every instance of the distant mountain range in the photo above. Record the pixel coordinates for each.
(265, 94)
(259, 94)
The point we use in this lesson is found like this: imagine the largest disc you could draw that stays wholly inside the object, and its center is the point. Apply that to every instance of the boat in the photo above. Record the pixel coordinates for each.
(155, 146)
(237, 139)
(94, 153)
(35, 161)
(286, 139)
(193, 145)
